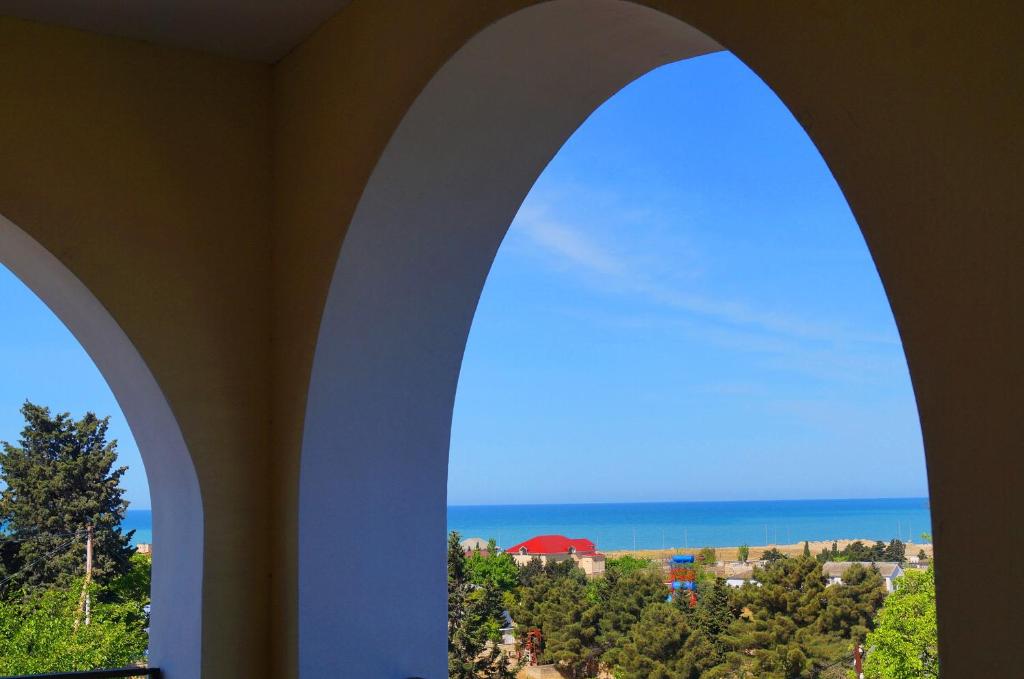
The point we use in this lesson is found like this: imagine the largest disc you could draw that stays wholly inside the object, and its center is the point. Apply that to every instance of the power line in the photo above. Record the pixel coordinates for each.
(49, 554)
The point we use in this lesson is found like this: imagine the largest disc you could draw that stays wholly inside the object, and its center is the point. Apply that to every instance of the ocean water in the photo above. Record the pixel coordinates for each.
(657, 525)
(141, 521)
(676, 524)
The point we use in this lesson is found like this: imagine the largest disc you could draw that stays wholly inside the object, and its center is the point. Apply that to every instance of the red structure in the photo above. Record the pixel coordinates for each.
(554, 544)
(532, 646)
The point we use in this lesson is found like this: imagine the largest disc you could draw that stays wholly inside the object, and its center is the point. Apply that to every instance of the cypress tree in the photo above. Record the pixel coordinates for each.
(59, 480)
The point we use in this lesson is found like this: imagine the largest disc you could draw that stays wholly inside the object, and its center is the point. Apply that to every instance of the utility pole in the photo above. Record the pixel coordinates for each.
(88, 573)
(84, 603)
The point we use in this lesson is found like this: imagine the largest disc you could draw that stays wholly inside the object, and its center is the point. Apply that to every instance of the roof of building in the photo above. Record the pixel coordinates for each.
(555, 544)
(835, 569)
(469, 544)
(740, 574)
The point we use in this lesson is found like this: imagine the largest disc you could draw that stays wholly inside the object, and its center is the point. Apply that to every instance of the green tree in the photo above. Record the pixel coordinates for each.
(807, 549)
(474, 619)
(895, 551)
(493, 567)
(904, 643)
(743, 552)
(772, 555)
(626, 564)
(621, 598)
(59, 479)
(707, 555)
(559, 603)
(653, 648)
(850, 607)
(41, 629)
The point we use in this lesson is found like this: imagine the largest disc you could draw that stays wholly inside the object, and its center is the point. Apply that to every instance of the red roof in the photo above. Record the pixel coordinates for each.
(554, 544)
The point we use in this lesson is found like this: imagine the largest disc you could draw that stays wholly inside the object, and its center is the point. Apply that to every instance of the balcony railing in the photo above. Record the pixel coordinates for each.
(151, 672)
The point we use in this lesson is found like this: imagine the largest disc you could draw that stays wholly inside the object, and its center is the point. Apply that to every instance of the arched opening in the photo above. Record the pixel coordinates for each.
(177, 514)
(683, 348)
(399, 309)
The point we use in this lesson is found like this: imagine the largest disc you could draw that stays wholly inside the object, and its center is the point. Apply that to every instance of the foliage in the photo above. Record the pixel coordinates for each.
(743, 552)
(621, 598)
(654, 646)
(786, 624)
(772, 555)
(795, 626)
(879, 551)
(494, 568)
(42, 630)
(60, 479)
(807, 549)
(627, 564)
(850, 608)
(556, 601)
(707, 555)
(474, 621)
(904, 643)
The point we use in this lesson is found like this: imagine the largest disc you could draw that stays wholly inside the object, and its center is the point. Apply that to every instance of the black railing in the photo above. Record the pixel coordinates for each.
(151, 672)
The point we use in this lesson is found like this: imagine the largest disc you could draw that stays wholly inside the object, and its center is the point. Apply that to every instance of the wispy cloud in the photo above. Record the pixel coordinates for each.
(611, 268)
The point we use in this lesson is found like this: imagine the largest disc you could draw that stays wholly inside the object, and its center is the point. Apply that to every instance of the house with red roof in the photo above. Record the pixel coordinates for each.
(555, 548)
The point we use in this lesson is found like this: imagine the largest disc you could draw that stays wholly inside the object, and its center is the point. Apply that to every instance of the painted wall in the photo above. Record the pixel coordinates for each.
(146, 171)
(204, 203)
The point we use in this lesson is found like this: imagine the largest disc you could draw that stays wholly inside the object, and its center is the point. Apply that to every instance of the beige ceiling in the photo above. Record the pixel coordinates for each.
(262, 30)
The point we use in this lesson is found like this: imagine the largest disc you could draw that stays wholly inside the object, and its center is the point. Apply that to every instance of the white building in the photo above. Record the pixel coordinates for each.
(890, 570)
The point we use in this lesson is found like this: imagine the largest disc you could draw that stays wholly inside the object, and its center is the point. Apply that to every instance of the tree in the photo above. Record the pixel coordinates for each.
(850, 607)
(895, 551)
(621, 598)
(61, 479)
(743, 552)
(904, 643)
(807, 549)
(707, 555)
(626, 564)
(772, 555)
(557, 602)
(493, 567)
(38, 631)
(474, 619)
(654, 646)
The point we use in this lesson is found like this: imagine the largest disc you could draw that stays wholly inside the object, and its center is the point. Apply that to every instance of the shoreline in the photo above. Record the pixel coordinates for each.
(731, 553)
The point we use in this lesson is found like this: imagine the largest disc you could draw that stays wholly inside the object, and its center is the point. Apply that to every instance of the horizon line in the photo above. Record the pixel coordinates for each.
(661, 502)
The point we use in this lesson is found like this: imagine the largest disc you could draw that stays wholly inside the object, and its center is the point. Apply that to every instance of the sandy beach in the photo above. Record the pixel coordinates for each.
(731, 553)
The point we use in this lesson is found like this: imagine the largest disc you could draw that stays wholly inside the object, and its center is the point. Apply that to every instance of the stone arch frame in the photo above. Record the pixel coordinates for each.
(177, 580)
(400, 303)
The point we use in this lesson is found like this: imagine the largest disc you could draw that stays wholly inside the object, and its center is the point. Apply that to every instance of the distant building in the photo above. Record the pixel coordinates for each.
(144, 548)
(470, 545)
(890, 570)
(740, 577)
(556, 548)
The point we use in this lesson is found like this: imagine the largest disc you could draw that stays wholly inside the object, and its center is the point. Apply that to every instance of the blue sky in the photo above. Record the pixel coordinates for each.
(685, 309)
(40, 360)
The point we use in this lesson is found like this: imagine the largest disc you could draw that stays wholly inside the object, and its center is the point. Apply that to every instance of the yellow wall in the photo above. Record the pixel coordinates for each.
(146, 171)
(204, 202)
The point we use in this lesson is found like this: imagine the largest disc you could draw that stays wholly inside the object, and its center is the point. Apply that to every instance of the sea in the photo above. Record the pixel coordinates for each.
(663, 525)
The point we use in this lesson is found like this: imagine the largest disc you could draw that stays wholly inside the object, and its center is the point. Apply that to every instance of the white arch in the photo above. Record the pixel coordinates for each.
(375, 448)
(176, 624)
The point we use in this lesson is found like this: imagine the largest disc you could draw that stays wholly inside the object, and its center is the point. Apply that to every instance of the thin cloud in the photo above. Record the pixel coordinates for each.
(610, 269)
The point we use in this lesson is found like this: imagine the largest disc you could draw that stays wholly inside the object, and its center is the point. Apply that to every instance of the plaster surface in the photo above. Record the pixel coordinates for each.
(177, 584)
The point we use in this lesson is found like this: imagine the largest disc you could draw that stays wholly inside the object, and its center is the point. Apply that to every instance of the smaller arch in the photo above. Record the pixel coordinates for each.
(175, 638)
